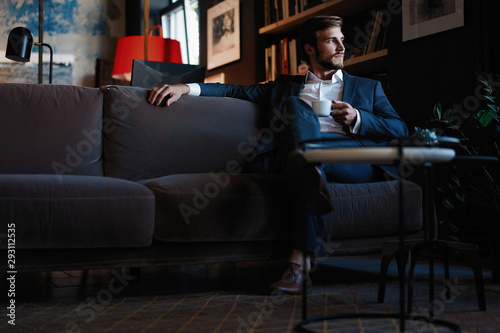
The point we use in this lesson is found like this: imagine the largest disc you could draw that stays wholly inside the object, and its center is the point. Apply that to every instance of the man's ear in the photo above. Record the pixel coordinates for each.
(309, 49)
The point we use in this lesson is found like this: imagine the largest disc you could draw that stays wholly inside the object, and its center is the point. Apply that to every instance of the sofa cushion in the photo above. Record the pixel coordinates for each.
(220, 207)
(76, 211)
(50, 129)
(193, 135)
(371, 209)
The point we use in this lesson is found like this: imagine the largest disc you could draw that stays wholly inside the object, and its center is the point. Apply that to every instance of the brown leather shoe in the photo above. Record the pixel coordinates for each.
(306, 181)
(291, 281)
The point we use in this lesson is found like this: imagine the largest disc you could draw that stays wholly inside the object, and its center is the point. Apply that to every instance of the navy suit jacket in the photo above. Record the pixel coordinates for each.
(380, 122)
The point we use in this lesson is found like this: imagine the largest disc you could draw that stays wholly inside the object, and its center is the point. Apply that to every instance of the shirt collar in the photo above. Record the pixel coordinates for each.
(337, 77)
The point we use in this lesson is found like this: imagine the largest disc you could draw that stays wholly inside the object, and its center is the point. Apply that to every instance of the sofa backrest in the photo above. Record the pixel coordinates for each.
(194, 134)
(50, 129)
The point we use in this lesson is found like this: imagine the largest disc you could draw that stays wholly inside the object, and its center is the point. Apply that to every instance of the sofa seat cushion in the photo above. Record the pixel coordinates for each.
(220, 207)
(54, 212)
(371, 209)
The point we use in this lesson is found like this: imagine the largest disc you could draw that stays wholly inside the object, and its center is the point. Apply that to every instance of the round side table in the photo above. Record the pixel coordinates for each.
(397, 155)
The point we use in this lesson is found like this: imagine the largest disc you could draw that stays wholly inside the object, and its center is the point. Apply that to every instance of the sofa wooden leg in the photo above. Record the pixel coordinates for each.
(136, 271)
(221, 270)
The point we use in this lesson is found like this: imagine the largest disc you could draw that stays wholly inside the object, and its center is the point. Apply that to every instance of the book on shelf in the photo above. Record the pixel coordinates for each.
(293, 56)
(377, 38)
(313, 3)
(284, 45)
(277, 10)
(282, 58)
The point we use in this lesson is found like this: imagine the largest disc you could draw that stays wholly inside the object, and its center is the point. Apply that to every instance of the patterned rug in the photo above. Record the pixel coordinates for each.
(115, 307)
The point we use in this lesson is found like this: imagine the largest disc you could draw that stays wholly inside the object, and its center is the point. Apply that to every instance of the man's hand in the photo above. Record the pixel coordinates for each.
(171, 92)
(343, 113)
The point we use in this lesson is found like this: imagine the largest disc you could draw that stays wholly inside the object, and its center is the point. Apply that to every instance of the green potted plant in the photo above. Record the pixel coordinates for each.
(469, 193)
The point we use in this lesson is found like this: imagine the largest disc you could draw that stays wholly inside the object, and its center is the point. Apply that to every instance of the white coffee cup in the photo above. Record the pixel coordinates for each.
(323, 108)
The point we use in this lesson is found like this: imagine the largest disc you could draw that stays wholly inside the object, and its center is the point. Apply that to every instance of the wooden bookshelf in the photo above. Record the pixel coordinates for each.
(330, 7)
(368, 62)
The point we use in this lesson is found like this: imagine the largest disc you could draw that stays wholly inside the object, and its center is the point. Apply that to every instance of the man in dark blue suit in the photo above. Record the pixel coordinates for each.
(361, 115)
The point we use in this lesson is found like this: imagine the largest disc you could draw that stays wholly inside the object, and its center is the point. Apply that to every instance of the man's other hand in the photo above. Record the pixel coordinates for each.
(169, 92)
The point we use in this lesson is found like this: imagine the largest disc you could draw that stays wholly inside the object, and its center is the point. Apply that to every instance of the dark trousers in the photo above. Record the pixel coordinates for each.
(301, 124)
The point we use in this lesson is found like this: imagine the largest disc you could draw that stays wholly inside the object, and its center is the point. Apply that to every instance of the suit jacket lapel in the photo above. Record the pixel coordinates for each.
(350, 83)
(297, 81)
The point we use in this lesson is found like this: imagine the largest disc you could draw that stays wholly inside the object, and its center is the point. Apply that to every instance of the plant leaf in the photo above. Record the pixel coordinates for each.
(453, 227)
(485, 117)
(447, 204)
(492, 106)
(442, 190)
(490, 98)
(488, 89)
(437, 110)
(460, 198)
(483, 81)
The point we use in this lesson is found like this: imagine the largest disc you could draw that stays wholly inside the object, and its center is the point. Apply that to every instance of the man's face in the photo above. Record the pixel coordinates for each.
(330, 50)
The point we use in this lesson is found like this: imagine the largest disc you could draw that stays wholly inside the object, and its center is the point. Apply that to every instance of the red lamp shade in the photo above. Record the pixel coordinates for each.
(132, 48)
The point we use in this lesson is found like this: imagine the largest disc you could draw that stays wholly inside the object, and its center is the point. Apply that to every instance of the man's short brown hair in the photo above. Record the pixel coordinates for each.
(309, 32)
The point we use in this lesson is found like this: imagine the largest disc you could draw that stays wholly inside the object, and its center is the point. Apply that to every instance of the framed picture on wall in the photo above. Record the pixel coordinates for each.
(223, 30)
(426, 17)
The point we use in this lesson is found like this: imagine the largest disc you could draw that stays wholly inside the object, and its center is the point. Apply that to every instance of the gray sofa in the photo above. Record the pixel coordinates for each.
(97, 177)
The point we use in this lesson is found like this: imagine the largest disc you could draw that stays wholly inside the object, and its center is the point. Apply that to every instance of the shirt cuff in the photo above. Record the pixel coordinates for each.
(355, 129)
(194, 89)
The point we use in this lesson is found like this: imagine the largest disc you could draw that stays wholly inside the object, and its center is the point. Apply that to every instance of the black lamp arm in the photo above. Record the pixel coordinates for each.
(51, 57)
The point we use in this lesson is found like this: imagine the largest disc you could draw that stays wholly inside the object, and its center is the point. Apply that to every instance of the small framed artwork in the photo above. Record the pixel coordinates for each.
(426, 17)
(223, 32)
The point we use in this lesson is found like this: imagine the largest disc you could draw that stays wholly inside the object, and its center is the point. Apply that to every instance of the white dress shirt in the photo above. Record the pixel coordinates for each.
(315, 89)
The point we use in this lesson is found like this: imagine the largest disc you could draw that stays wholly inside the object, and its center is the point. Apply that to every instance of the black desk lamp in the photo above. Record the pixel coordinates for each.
(19, 47)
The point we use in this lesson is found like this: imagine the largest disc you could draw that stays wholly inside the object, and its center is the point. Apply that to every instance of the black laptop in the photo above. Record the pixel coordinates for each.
(148, 74)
